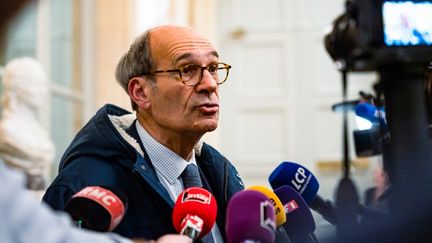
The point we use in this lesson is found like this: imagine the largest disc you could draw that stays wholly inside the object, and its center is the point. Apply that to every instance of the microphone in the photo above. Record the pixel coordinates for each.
(281, 234)
(194, 212)
(300, 224)
(371, 141)
(304, 182)
(369, 112)
(372, 113)
(250, 218)
(97, 208)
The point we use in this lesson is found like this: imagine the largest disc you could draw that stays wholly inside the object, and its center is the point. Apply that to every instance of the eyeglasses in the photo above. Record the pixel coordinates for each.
(191, 74)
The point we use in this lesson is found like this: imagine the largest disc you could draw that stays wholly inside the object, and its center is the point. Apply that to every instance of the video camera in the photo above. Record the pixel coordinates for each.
(378, 34)
(393, 38)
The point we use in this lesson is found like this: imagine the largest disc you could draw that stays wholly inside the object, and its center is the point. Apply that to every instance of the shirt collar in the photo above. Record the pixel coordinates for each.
(166, 163)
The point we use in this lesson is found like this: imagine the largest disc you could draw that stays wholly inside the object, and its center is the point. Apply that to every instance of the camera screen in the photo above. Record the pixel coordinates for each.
(407, 23)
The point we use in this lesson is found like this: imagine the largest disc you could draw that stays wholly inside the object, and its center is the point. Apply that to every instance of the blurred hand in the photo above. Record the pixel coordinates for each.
(174, 238)
(170, 238)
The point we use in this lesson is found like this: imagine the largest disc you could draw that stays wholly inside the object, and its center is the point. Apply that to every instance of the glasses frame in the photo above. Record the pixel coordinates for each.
(180, 70)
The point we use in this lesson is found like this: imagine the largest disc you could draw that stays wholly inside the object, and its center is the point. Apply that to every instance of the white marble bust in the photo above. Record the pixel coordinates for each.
(24, 142)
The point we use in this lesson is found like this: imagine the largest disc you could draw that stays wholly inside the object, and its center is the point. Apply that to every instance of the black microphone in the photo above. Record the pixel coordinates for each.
(97, 208)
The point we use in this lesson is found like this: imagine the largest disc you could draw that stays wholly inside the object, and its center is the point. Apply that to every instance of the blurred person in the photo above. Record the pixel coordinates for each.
(172, 76)
(25, 219)
(375, 197)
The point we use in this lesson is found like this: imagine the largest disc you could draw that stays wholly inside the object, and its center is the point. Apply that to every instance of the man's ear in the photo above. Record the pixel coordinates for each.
(138, 90)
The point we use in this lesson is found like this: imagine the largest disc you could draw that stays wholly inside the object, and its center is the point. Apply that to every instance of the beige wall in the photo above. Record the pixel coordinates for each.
(112, 38)
(203, 17)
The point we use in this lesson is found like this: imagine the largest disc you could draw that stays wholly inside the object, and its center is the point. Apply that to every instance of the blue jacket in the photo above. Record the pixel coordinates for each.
(107, 151)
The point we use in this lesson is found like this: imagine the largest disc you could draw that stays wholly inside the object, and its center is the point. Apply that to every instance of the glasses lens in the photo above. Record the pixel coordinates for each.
(222, 73)
(192, 74)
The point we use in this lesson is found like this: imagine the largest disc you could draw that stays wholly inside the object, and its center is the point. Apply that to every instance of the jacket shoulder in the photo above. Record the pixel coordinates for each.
(83, 172)
(103, 136)
(220, 169)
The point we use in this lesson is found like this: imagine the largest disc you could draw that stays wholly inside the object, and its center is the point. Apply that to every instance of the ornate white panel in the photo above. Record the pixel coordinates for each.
(258, 124)
(261, 70)
(256, 14)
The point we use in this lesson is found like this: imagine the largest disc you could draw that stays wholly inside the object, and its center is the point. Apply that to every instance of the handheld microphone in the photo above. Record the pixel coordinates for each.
(300, 223)
(281, 234)
(250, 218)
(194, 212)
(97, 208)
(304, 182)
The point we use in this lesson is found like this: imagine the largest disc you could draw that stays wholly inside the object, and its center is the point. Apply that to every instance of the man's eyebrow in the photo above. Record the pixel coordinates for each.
(215, 54)
(188, 55)
(182, 56)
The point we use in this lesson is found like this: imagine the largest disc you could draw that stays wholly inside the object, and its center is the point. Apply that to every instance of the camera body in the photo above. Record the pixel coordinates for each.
(378, 34)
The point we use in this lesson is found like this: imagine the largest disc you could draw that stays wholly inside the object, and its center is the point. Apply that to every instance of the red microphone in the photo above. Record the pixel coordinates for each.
(194, 212)
(97, 208)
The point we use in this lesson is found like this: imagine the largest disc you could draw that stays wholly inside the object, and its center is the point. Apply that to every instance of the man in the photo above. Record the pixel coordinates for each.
(172, 76)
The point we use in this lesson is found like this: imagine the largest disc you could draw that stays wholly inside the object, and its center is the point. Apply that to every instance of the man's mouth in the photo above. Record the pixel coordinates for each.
(208, 108)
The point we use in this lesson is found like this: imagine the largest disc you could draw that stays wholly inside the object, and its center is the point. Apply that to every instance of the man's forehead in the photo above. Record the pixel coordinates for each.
(175, 31)
(178, 42)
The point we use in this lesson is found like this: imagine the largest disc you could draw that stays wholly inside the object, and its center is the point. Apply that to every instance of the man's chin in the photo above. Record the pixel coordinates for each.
(211, 126)
(207, 125)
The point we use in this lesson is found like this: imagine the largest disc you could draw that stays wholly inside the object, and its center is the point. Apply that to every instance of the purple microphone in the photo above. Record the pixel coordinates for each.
(300, 223)
(250, 217)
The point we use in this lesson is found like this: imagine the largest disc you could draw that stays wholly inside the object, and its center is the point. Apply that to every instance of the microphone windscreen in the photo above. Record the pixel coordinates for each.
(297, 177)
(195, 202)
(250, 216)
(372, 113)
(366, 111)
(277, 204)
(98, 208)
(300, 221)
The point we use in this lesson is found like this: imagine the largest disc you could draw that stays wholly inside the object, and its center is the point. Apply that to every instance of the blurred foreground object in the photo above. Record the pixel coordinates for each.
(24, 142)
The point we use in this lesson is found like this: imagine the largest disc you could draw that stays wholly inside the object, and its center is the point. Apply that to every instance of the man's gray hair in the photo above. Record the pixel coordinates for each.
(135, 62)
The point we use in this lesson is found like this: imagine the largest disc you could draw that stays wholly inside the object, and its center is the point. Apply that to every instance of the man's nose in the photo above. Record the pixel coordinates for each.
(207, 82)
